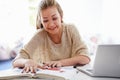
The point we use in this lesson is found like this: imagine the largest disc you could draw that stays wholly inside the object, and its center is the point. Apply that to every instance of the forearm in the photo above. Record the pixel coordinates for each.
(80, 59)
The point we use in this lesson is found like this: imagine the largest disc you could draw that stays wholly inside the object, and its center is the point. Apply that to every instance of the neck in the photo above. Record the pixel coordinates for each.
(56, 38)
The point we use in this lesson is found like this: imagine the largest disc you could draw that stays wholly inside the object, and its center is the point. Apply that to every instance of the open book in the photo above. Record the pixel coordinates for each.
(64, 73)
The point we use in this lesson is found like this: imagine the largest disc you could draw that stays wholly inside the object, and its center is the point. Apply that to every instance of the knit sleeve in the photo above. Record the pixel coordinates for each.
(78, 46)
(32, 48)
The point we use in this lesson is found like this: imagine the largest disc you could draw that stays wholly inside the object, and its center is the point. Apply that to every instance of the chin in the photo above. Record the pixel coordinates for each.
(54, 31)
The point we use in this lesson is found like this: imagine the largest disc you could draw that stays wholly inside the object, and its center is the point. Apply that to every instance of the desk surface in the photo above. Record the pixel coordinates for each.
(83, 76)
(80, 76)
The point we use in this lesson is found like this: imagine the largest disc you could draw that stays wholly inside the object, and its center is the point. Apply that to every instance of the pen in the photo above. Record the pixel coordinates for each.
(77, 71)
(77, 66)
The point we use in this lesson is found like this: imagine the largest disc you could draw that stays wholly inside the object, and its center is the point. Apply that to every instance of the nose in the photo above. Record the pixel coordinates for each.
(51, 23)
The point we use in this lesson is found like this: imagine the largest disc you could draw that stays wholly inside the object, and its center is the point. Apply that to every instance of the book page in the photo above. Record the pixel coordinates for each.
(12, 73)
(63, 73)
(66, 72)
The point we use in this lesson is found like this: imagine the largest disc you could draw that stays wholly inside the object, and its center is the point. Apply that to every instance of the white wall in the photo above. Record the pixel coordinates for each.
(86, 14)
(14, 20)
(111, 18)
(94, 17)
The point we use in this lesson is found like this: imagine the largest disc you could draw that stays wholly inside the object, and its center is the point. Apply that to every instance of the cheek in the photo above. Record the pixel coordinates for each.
(59, 23)
(46, 27)
(59, 20)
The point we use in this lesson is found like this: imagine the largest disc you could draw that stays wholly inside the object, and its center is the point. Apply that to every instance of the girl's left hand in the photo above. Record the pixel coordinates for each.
(53, 64)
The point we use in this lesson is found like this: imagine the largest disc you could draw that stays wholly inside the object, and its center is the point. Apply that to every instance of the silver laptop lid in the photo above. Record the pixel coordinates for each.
(107, 61)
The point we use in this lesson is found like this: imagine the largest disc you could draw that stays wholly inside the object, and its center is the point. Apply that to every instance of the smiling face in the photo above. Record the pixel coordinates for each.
(51, 20)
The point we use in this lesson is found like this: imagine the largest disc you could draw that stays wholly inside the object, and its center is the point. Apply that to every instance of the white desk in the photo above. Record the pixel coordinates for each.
(83, 76)
(78, 76)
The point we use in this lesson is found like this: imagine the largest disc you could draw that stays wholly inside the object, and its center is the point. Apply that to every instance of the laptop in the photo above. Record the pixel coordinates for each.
(106, 62)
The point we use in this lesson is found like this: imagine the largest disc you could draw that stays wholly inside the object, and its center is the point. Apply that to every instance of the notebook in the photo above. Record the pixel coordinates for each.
(106, 63)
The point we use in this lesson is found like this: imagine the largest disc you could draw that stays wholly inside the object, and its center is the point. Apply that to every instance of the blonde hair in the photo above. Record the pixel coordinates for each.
(44, 4)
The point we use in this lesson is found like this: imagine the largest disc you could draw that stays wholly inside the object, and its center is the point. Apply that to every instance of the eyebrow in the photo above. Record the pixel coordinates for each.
(52, 16)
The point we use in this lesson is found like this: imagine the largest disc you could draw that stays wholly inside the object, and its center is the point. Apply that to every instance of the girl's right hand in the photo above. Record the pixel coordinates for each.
(31, 66)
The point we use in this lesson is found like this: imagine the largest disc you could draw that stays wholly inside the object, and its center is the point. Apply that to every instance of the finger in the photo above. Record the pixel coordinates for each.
(41, 67)
(35, 68)
(32, 70)
(24, 69)
(59, 65)
(50, 64)
(27, 69)
(54, 65)
(46, 64)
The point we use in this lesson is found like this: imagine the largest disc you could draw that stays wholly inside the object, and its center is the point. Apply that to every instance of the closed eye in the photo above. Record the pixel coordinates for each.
(45, 21)
(55, 18)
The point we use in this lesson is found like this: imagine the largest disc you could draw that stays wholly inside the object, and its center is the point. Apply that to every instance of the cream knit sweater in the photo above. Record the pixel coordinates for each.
(41, 48)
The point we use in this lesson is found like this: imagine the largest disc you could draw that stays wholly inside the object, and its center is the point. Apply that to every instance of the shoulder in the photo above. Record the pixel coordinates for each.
(68, 25)
(70, 28)
(40, 33)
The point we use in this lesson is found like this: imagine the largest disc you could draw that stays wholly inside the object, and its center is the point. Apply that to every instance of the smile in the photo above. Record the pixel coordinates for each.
(53, 28)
